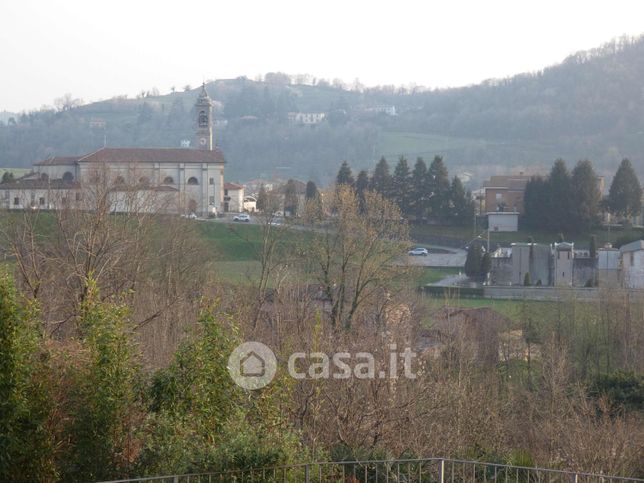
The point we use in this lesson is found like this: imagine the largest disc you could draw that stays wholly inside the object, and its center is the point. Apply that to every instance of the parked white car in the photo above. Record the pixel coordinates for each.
(243, 217)
(418, 252)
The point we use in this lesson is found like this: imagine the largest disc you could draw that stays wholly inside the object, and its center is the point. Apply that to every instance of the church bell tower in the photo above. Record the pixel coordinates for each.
(203, 108)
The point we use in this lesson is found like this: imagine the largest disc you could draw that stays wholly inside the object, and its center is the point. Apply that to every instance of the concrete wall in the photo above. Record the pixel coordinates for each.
(534, 259)
(584, 269)
(563, 268)
(540, 293)
(633, 269)
(507, 222)
(144, 201)
(501, 271)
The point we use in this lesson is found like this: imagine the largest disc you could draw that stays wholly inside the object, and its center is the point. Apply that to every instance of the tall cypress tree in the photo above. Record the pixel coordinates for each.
(262, 199)
(625, 194)
(461, 204)
(362, 185)
(420, 190)
(345, 176)
(592, 252)
(311, 191)
(381, 179)
(585, 195)
(536, 194)
(559, 200)
(401, 186)
(290, 198)
(438, 181)
(474, 259)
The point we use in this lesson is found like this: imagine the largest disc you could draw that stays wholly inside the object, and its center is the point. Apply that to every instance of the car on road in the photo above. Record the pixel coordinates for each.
(191, 216)
(243, 217)
(418, 252)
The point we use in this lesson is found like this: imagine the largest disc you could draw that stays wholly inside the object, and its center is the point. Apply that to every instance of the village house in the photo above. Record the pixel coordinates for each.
(233, 197)
(250, 204)
(505, 193)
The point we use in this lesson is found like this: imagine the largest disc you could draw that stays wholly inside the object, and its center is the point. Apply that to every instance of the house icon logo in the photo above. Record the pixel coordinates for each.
(252, 365)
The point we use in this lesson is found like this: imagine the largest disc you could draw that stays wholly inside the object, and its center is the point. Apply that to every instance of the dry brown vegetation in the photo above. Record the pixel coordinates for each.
(340, 291)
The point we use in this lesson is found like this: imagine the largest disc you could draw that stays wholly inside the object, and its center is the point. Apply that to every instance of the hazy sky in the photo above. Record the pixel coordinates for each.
(96, 50)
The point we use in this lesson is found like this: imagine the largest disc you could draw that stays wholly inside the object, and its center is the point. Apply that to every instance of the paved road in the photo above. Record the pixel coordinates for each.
(443, 257)
(453, 258)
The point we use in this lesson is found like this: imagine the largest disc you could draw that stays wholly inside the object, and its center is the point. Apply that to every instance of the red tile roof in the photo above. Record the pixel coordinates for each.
(511, 182)
(58, 160)
(154, 155)
(233, 186)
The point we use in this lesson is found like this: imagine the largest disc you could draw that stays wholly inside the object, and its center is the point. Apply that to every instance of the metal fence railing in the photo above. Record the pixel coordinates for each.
(432, 470)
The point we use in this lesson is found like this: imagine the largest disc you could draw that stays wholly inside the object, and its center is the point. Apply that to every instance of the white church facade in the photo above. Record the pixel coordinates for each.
(164, 180)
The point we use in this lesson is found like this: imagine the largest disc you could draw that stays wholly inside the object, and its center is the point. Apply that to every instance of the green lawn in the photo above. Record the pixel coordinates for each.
(242, 242)
(232, 242)
(433, 275)
(513, 309)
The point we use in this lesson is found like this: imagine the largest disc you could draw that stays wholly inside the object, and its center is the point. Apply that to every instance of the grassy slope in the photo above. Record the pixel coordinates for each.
(433, 275)
(513, 309)
(232, 243)
(393, 144)
(235, 248)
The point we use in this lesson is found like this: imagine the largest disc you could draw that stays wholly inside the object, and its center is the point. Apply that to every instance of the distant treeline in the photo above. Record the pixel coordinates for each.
(420, 193)
(572, 201)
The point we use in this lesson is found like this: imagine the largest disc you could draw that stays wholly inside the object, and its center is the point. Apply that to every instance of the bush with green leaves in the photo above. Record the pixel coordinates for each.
(200, 420)
(104, 401)
(26, 451)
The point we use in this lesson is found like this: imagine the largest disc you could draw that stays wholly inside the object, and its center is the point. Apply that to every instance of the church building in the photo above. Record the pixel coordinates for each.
(160, 180)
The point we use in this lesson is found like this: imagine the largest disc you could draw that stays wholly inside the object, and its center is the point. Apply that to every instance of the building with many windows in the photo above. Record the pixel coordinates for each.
(167, 180)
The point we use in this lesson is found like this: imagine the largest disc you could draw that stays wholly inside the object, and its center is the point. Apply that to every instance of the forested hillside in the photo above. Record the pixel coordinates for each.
(590, 106)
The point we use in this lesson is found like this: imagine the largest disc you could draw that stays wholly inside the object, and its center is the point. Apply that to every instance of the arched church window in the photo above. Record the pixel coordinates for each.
(168, 180)
(203, 119)
(44, 177)
(68, 176)
(119, 180)
(193, 180)
(144, 180)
